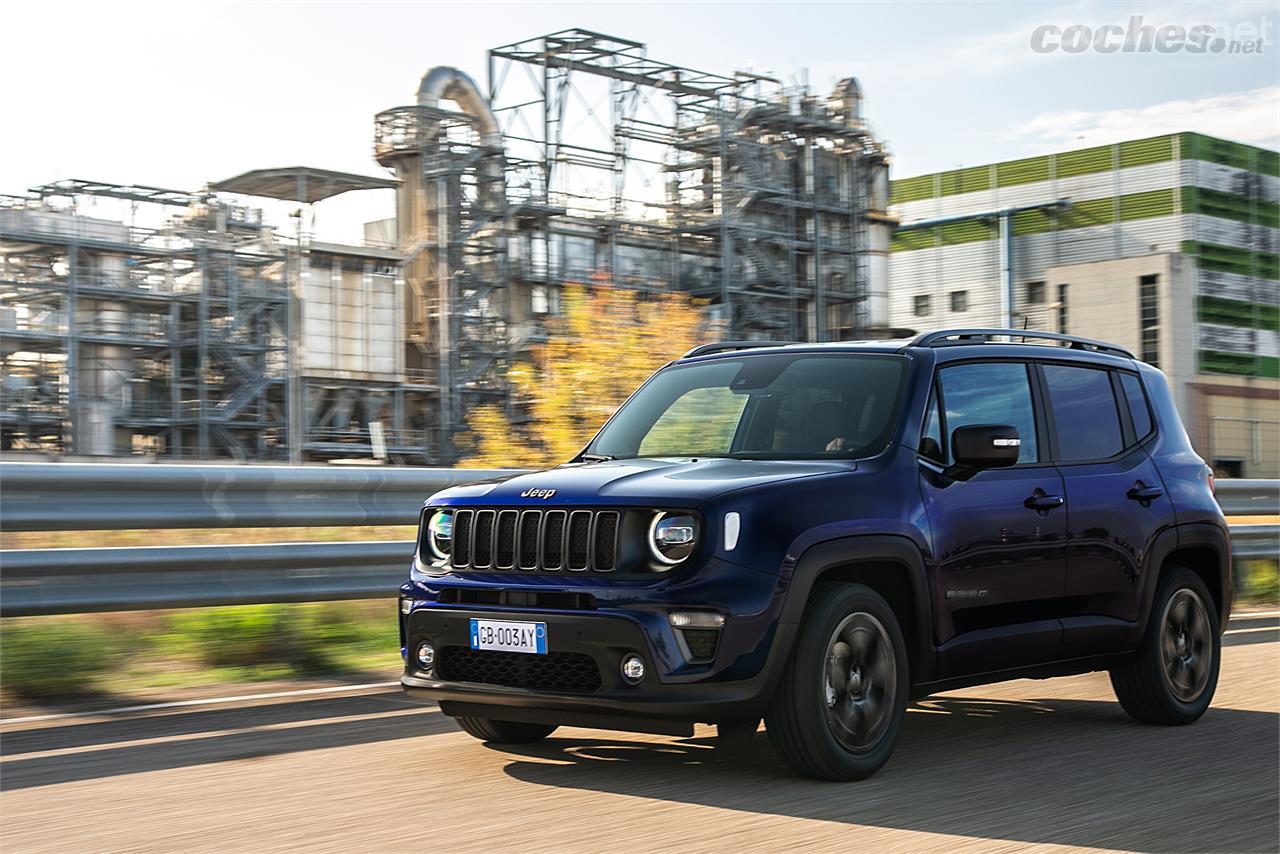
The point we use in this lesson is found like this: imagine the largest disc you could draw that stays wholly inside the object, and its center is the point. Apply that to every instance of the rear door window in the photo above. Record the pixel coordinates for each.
(1086, 420)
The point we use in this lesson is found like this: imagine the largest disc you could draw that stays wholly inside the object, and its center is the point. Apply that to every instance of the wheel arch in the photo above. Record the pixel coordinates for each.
(1202, 548)
(892, 566)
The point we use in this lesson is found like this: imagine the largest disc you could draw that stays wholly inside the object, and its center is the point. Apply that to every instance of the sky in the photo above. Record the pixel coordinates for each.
(178, 94)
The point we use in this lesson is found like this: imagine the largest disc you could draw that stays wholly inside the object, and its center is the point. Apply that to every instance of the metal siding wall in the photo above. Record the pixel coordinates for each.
(1232, 286)
(385, 329)
(1228, 179)
(1234, 339)
(1228, 232)
(317, 312)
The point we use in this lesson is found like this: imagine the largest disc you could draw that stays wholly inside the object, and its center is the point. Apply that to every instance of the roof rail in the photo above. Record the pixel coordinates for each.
(721, 346)
(952, 337)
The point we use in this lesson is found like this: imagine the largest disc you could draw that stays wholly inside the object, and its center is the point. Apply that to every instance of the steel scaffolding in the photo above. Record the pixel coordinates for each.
(587, 161)
(121, 339)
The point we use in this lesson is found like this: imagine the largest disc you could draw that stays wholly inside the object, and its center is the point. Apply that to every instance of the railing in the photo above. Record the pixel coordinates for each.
(111, 496)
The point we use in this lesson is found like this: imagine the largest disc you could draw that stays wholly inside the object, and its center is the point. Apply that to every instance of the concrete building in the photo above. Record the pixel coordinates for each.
(1167, 245)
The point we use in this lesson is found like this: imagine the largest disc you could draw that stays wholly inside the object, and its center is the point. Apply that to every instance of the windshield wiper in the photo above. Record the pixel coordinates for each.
(596, 458)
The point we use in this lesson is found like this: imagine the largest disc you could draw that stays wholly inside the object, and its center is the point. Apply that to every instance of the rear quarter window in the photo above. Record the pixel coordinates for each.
(1139, 410)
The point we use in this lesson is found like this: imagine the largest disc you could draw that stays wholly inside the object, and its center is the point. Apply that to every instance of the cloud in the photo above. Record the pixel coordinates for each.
(1252, 116)
(1004, 49)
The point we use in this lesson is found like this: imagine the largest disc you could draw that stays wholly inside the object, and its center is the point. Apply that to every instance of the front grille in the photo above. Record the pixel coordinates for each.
(536, 540)
(573, 672)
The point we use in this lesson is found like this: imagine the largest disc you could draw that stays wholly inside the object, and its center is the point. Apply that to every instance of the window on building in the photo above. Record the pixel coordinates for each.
(1085, 417)
(989, 393)
(544, 300)
(538, 300)
(1035, 293)
(959, 300)
(922, 305)
(1149, 312)
(1062, 308)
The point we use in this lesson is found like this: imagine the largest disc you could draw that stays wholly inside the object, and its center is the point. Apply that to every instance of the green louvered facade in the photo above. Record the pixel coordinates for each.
(1226, 220)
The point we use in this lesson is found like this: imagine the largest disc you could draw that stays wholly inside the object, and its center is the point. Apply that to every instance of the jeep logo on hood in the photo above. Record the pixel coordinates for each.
(538, 493)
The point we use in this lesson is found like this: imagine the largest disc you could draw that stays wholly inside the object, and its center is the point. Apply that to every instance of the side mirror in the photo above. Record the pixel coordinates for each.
(983, 446)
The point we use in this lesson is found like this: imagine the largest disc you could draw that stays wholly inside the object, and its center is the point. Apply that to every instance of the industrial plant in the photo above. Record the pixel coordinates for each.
(192, 328)
(203, 332)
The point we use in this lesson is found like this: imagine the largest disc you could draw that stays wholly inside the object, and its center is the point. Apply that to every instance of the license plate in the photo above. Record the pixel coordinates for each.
(508, 636)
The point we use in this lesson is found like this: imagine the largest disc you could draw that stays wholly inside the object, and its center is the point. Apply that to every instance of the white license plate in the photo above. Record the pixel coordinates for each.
(509, 636)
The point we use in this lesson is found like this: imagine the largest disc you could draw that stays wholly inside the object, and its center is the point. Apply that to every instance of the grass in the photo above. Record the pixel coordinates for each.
(45, 658)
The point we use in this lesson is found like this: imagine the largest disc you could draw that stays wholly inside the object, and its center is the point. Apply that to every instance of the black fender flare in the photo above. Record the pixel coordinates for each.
(1181, 536)
(862, 548)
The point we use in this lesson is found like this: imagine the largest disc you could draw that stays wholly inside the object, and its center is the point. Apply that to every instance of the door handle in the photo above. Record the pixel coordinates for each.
(1042, 503)
(1144, 494)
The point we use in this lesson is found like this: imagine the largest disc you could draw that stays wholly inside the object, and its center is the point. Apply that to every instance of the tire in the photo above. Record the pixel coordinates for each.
(505, 732)
(827, 730)
(1171, 677)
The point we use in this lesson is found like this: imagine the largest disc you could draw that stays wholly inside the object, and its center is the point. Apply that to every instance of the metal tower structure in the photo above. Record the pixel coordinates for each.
(586, 161)
(119, 339)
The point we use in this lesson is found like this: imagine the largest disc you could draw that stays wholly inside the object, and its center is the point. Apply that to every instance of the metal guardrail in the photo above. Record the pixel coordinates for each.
(84, 497)
(114, 496)
(1248, 497)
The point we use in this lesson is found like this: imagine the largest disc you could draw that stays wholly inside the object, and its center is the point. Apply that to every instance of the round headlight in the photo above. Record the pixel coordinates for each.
(672, 537)
(440, 533)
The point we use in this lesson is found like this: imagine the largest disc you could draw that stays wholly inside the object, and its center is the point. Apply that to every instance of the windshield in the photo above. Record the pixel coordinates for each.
(763, 406)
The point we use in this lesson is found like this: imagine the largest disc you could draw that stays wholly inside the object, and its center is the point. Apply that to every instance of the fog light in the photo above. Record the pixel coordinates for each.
(406, 605)
(632, 668)
(426, 655)
(696, 620)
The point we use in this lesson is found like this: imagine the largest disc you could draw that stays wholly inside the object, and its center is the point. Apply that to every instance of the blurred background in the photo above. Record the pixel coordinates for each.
(508, 217)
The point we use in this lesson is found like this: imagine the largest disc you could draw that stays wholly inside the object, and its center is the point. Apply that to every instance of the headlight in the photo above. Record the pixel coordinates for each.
(672, 537)
(439, 535)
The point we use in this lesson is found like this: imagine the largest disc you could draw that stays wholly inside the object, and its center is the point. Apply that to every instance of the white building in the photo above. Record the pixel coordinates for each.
(1167, 245)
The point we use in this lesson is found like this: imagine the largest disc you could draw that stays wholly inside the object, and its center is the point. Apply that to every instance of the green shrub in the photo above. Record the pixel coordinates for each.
(44, 657)
(228, 637)
(1259, 582)
(308, 638)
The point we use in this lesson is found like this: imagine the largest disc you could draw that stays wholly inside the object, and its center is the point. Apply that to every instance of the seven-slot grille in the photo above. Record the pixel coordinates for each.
(546, 540)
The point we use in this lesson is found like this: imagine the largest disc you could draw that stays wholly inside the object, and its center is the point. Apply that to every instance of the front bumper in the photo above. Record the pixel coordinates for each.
(666, 700)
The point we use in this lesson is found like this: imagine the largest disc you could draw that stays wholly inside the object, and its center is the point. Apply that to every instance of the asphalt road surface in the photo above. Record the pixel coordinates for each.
(999, 768)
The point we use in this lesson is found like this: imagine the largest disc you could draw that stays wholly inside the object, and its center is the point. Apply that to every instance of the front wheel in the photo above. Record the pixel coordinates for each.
(1171, 677)
(504, 732)
(841, 701)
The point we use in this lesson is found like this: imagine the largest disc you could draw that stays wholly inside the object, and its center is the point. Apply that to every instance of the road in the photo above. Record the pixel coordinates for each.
(1023, 764)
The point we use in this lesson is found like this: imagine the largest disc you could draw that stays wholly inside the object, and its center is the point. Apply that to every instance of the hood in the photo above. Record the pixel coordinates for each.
(681, 481)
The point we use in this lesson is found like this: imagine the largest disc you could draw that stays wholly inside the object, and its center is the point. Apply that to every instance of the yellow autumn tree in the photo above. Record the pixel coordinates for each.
(605, 344)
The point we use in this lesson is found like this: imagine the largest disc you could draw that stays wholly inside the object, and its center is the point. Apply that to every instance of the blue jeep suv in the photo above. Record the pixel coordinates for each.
(817, 534)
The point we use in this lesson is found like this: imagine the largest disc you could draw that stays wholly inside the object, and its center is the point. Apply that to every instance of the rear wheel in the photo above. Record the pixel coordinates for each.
(1171, 678)
(838, 710)
(504, 732)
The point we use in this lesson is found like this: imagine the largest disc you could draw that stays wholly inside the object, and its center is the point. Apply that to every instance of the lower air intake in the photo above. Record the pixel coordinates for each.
(569, 672)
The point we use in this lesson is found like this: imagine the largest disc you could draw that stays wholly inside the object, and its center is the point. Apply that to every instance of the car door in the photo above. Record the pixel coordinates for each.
(1099, 423)
(999, 558)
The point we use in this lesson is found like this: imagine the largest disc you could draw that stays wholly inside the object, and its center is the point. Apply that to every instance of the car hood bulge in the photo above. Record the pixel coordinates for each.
(650, 479)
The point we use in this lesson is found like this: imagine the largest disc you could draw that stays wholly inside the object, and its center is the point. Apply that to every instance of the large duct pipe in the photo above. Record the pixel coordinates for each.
(450, 84)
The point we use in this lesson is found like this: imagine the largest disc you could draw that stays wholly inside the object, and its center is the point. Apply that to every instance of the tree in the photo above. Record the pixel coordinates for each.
(607, 342)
